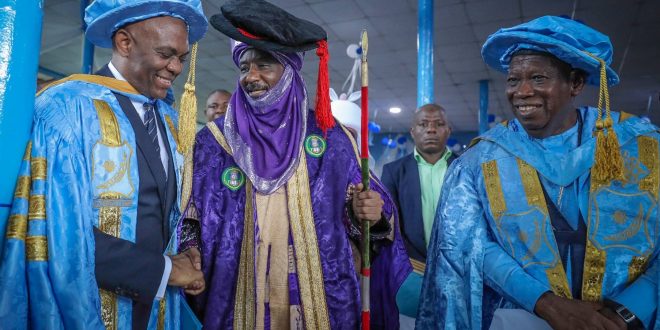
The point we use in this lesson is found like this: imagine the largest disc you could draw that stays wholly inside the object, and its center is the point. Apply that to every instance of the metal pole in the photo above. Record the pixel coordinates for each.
(20, 37)
(483, 106)
(425, 72)
(88, 47)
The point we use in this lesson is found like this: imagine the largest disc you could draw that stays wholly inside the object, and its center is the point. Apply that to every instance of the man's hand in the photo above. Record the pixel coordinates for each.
(614, 317)
(187, 272)
(367, 205)
(562, 313)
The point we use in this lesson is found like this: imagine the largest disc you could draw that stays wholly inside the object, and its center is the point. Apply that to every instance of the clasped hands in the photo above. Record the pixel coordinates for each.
(187, 272)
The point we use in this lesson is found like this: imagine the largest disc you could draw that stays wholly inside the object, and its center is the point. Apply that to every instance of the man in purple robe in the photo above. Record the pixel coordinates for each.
(274, 194)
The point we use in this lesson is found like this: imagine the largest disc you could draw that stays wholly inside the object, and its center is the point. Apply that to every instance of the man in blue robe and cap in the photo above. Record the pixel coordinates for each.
(88, 239)
(550, 219)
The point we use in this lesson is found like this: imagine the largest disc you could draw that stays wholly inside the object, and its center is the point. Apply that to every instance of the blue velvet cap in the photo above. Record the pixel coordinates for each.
(564, 38)
(105, 17)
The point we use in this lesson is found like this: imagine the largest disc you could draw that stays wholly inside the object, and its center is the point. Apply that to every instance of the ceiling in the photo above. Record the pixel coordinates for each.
(460, 28)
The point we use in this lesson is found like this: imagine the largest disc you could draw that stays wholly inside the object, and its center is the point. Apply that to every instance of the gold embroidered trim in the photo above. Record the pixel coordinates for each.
(308, 260)
(38, 168)
(636, 267)
(36, 248)
(558, 281)
(161, 314)
(110, 134)
(494, 189)
(175, 133)
(108, 309)
(110, 216)
(28, 151)
(109, 223)
(22, 187)
(118, 85)
(37, 207)
(244, 302)
(648, 155)
(418, 266)
(594, 271)
(17, 226)
(532, 185)
(219, 136)
(625, 116)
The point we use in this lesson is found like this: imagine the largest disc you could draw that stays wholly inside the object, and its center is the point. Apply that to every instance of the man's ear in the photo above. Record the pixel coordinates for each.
(122, 42)
(577, 83)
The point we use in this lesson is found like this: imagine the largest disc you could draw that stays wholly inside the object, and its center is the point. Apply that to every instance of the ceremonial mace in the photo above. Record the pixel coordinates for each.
(364, 162)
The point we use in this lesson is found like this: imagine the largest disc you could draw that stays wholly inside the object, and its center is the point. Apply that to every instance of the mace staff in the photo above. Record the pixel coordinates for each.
(364, 162)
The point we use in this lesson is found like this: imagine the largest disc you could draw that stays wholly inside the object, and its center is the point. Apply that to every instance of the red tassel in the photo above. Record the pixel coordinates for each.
(324, 118)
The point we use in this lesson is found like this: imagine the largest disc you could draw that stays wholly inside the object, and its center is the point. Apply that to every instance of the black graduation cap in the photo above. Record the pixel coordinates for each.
(265, 26)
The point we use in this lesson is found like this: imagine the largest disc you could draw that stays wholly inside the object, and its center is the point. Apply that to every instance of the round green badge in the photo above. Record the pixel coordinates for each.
(233, 178)
(315, 145)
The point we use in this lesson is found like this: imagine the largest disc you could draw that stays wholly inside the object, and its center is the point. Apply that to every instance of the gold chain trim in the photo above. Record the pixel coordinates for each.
(22, 187)
(17, 227)
(110, 134)
(108, 309)
(308, 260)
(648, 155)
(36, 248)
(494, 189)
(37, 207)
(244, 302)
(594, 271)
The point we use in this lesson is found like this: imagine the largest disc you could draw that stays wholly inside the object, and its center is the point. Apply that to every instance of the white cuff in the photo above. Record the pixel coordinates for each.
(163, 281)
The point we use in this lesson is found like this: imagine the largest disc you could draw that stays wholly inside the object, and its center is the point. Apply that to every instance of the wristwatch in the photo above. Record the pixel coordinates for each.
(624, 313)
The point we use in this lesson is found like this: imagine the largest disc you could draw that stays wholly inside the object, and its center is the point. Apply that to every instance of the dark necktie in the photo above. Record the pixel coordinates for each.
(150, 124)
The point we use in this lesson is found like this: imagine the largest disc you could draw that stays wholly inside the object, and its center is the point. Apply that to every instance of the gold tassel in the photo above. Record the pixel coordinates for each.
(608, 163)
(188, 108)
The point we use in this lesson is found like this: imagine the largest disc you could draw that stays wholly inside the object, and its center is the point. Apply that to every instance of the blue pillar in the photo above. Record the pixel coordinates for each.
(425, 72)
(20, 37)
(483, 106)
(88, 47)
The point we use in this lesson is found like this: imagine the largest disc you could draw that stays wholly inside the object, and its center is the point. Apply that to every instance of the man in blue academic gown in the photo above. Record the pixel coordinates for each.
(97, 198)
(550, 219)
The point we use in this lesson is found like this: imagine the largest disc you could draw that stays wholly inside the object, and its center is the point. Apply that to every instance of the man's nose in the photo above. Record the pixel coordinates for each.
(175, 66)
(525, 89)
(252, 74)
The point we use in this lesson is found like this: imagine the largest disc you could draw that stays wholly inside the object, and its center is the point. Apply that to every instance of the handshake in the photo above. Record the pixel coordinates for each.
(187, 272)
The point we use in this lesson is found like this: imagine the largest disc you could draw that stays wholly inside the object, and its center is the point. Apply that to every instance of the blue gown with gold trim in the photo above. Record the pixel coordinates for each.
(79, 172)
(493, 245)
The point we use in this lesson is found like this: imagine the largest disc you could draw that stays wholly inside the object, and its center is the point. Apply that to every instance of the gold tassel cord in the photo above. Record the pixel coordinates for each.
(188, 108)
(608, 163)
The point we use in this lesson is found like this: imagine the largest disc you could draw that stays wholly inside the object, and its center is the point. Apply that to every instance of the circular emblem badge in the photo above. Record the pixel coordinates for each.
(233, 178)
(315, 145)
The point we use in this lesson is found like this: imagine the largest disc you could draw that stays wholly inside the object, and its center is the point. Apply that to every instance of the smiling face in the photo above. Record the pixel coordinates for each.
(216, 104)
(150, 54)
(541, 90)
(259, 72)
